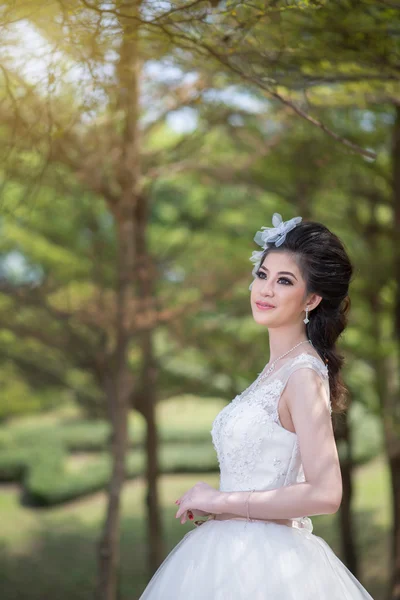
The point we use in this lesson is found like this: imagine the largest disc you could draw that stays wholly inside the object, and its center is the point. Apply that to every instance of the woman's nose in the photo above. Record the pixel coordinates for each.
(267, 288)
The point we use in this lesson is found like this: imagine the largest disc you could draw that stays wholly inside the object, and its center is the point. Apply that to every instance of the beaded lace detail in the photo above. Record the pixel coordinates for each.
(254, 450)
(246, 419)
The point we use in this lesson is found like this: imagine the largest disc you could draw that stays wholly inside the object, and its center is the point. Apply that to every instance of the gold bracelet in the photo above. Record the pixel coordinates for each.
(247, 504)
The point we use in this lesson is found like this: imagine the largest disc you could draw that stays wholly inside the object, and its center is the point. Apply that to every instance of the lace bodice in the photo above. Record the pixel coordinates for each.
(254, 450)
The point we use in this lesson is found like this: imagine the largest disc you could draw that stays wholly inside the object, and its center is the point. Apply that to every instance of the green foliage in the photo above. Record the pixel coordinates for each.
(46, 458)
(45, 464)
(85, 436)
(48, 484)
(14, 464)
(366, 436)
(18, 398)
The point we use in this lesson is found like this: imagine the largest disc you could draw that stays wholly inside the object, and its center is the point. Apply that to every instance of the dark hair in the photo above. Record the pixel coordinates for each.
(327, 270)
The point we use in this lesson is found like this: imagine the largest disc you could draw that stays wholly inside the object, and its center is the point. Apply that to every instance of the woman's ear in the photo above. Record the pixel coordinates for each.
(313, 301)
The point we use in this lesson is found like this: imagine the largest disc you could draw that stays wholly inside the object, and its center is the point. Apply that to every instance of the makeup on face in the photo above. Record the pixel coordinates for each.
(285, 277)
(264, 306)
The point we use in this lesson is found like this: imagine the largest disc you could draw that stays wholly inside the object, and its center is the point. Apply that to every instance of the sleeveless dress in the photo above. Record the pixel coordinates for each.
(236, 559)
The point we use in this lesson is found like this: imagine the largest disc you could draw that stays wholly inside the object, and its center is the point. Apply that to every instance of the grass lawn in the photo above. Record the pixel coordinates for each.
(50, 554)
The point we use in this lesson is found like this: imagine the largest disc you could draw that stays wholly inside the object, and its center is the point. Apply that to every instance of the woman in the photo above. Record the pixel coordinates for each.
(274, 441)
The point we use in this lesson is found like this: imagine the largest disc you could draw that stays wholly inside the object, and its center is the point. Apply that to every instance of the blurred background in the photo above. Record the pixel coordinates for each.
(142, 146)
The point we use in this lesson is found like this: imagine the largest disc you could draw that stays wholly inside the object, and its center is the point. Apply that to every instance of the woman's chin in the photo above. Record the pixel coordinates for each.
(261, 319)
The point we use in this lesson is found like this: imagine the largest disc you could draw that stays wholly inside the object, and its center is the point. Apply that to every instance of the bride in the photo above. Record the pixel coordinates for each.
(274, 442)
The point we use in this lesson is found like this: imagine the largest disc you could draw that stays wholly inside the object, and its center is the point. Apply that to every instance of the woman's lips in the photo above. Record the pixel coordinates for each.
(262, 307)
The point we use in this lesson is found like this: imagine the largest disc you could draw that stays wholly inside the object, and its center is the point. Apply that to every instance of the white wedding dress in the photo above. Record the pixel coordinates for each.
(235, 559)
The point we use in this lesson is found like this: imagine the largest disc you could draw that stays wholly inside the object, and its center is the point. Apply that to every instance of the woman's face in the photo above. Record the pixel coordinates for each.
(278, 282)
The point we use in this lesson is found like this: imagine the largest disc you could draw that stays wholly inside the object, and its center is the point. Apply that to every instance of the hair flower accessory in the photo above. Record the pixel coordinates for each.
(271, 235)
(277, 233)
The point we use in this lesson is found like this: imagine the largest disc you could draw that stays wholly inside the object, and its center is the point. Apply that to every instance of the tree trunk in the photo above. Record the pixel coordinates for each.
(147, 307)
(394, 590)
(392, 443)
(119, 381)
(154, 525)
(387, 389)
(392, 408)
(342, 432)
(108, 551)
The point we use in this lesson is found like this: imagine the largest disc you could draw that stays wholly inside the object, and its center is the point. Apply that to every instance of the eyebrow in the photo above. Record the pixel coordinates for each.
(280, 272)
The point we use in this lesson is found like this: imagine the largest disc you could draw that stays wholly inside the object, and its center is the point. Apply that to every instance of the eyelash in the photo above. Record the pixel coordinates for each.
(283, 278)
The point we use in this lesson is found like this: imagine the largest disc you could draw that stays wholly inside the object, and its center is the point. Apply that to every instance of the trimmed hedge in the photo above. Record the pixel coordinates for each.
(38, 458)
(13, 464)
(93, 436)
(27, 449)
(44, 487)
(48, 483)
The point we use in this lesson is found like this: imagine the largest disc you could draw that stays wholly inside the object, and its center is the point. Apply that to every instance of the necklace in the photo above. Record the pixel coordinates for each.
(272, 366)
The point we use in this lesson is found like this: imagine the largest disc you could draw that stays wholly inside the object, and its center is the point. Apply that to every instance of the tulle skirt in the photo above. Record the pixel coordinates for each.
(258, 560)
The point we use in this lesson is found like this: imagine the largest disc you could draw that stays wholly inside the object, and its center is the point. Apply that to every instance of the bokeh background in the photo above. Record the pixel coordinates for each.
(142, 146)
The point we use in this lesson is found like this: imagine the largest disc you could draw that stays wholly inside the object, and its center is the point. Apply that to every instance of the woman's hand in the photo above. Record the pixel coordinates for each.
(201, 500)
(195, 512)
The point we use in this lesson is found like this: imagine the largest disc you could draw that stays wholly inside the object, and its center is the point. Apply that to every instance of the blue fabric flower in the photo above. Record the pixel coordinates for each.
(271, 235)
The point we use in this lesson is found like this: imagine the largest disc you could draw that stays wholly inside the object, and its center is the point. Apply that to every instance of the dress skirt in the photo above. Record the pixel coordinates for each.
(257, 560)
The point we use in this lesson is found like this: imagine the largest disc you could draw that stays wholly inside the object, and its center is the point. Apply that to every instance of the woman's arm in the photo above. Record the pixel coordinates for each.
(321, 493)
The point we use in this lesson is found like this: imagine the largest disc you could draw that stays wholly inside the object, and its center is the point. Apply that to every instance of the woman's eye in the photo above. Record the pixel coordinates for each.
(288, 282)
(259, 273)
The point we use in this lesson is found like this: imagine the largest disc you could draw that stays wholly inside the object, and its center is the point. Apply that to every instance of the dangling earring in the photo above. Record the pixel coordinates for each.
(306, 320)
